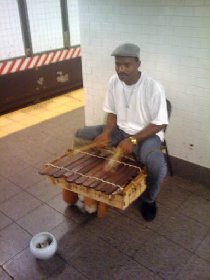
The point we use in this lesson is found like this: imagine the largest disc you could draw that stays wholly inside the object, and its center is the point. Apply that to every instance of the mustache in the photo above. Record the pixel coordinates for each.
(122, 73)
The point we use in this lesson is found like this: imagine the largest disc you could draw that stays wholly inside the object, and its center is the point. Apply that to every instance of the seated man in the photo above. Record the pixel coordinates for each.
(136, 116)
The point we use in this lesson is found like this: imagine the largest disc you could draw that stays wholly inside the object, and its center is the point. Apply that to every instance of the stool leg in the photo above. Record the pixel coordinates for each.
(90, 205)
(168, 161)
(69, 196)
(102, 210)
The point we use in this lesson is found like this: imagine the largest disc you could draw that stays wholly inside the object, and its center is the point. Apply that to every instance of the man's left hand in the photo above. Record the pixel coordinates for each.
(126, 146)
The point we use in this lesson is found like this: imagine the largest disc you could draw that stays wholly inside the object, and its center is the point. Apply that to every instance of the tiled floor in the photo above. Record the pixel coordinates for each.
(120, 246)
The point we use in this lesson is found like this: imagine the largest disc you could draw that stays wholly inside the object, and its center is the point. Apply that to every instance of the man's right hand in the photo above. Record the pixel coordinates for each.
(102, 140)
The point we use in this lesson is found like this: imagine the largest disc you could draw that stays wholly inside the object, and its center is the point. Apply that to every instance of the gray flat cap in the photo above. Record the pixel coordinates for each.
(127, 49)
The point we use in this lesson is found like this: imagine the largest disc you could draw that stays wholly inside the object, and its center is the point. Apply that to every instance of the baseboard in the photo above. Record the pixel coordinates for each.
(190, 171)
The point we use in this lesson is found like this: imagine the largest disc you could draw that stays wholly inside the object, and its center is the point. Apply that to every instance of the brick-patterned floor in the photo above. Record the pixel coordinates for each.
(122, 245)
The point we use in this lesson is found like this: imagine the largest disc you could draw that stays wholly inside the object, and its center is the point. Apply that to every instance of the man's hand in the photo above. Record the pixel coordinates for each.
(102, 140)
(126, 146)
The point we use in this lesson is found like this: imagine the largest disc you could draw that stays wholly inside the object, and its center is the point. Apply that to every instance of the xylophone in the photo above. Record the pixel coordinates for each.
(85, 173)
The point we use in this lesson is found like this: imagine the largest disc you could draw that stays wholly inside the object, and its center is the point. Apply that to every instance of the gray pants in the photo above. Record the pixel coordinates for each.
(147, 153)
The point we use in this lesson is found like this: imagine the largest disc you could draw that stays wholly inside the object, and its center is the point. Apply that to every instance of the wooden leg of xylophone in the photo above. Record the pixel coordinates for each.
(102, 209)
(90, 205)
(69, 196)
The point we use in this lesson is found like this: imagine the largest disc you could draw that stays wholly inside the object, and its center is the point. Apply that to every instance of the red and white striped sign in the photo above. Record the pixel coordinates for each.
(26, 63)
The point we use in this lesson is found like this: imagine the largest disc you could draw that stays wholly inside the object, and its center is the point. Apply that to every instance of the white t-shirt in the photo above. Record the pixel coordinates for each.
(138, 105)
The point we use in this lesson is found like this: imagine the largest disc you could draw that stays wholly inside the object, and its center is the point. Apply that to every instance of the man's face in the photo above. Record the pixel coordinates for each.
(127, 68)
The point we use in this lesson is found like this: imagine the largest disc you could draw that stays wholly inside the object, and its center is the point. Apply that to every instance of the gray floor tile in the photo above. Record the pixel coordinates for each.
(131, 270)
(19, 205)
(195, 269)
(178, 182)
(26, 178)
(172, 196)
(197, 208)
(4, 275)
(15, 141)
(6, 152)
(29, 159)
(4, 220)
(184, 231)
(60, 205)
(34, 155)
(13, 239)
(43, 218)
(71, 240)
(188, 185)
(163, 214)
(201, 190)
(203, 250)
(40, 159)
(105, 262)
(54, 145)
(69, 273)
(69, 211)
(7, 189)
(24, 266)
(98, 226)
(44, 190)
(124, 234)
(64, 228)
(162, 256)
(12, 166)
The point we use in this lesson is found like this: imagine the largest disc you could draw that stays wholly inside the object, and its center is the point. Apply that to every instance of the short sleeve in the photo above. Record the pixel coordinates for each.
(109, 104)
(157, 104)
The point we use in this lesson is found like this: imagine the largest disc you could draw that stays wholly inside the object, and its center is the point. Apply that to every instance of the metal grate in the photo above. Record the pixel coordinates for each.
(45, 25)
(10, 30)
(73, 17)
(34, 26)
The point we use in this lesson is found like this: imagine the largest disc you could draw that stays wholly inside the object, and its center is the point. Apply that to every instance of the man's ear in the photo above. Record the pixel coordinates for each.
(138, 63)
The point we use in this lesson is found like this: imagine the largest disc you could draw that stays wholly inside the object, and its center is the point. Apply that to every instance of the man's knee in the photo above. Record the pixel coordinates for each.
(81, 133)
(83, 136)
(156, 164)
(147, 147)
(89, 132)
(77, 133)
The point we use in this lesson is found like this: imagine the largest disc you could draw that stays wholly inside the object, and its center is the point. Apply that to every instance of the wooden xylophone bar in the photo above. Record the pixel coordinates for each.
(85, 173)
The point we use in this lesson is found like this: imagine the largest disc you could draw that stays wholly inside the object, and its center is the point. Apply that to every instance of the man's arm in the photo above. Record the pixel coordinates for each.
(111, 123)
(126, 145)
(102, 140)
(148, 131)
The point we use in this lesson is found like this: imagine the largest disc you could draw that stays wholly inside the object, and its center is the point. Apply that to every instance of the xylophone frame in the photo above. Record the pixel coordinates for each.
(119, 200)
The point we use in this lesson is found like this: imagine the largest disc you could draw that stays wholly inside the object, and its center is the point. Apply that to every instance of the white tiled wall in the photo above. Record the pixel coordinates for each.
(174, 37)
